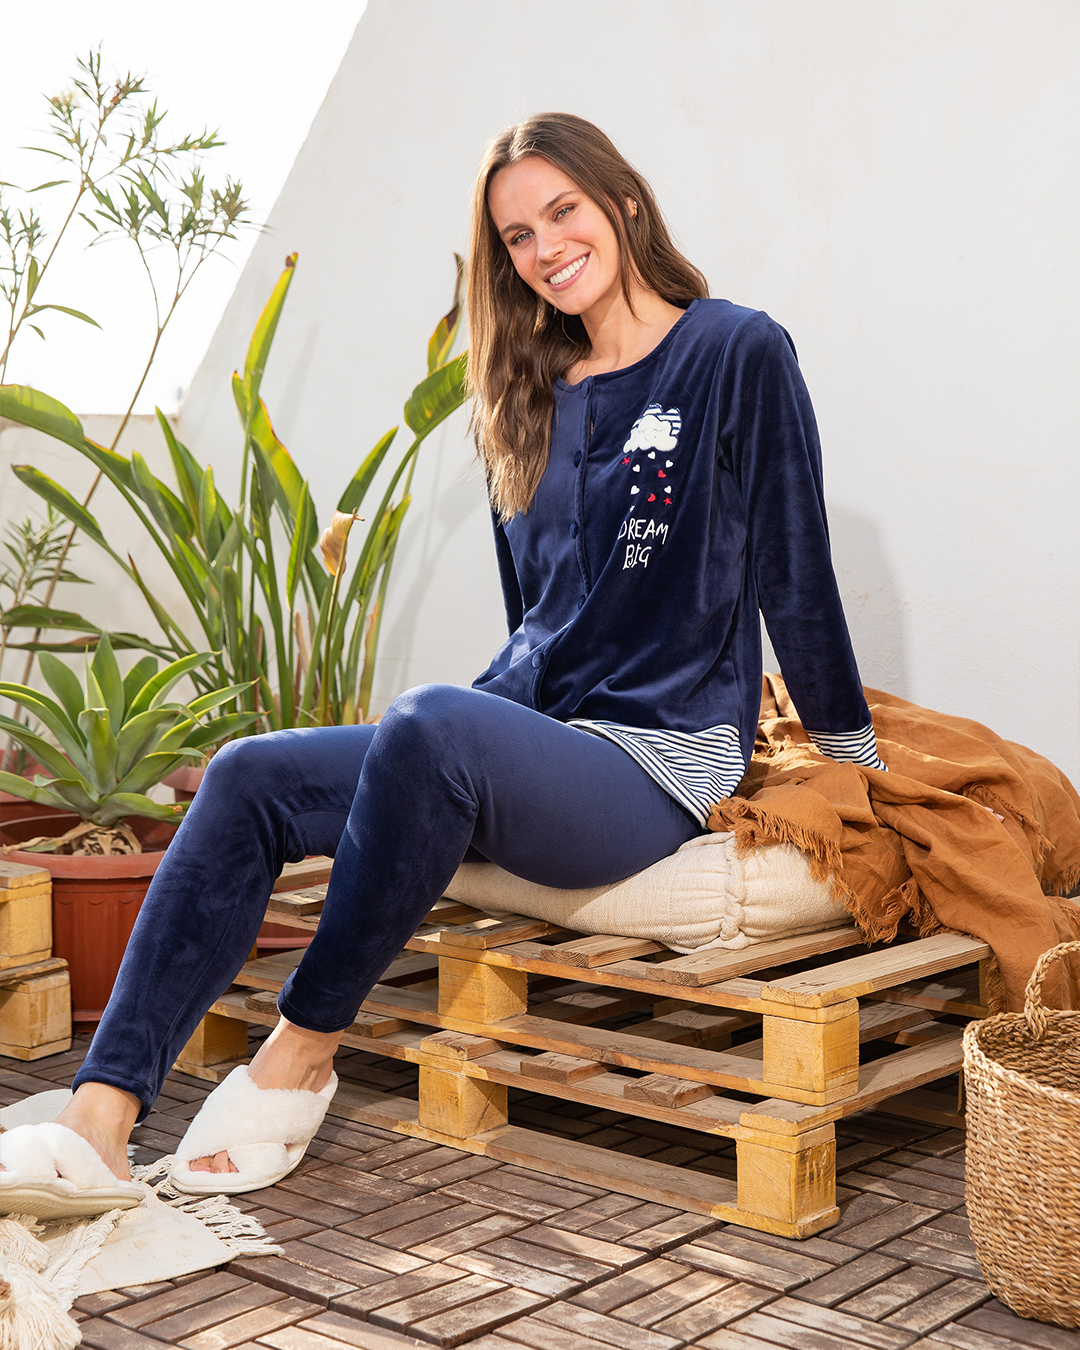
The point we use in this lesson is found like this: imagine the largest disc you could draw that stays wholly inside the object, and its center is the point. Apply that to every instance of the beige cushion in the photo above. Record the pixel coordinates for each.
(702, 896)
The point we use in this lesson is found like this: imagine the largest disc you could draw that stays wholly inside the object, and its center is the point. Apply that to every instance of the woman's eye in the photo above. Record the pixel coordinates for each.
(562, 211)
(517, 239)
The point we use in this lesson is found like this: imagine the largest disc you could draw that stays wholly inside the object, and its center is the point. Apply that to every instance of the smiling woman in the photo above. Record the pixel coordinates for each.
(655, 478)
(574, 269)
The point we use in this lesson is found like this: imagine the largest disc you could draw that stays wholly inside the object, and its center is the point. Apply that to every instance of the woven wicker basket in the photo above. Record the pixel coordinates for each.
(1022, 1074)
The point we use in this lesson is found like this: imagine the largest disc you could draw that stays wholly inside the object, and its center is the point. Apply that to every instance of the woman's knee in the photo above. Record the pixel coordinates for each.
(246, 766)
(432, 718)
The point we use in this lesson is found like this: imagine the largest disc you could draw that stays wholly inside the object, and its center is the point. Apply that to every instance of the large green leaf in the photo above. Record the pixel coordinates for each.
(136, 677)
(120, 804)
(62, 680)
(187, 471)
(288, 476)
(46, 755)
(101, 748)
(154, 690)
(442, 340)
(434, 399)
(140, 734)
(263, 336)
(305, 532)
(110, 682)
(31, 408)
(207, 702)
(75, 793)
(115, 467)
(150, 770)
(30, 792)
(41, 616)
(361, 481)
(51, 714)
(221, 729)
(62, 499)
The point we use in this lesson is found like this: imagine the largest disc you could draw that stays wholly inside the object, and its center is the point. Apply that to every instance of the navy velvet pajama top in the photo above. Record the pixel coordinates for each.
(683, 494)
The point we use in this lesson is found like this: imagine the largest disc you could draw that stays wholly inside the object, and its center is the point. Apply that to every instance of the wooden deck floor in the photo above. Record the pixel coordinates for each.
(391, 1242)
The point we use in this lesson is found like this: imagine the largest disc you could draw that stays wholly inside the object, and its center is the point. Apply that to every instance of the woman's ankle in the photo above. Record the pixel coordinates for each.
(293, 1057)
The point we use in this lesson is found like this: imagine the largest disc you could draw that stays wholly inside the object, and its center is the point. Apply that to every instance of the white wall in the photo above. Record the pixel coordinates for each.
(894, 182)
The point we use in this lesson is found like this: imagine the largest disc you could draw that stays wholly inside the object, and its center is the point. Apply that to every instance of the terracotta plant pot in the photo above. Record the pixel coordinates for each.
(95, 903)
(273, 937)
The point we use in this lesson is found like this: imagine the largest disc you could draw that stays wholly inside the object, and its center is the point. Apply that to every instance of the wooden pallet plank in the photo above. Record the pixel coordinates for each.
(708, 967)
(301, 904)
(738, 994)
(957, 992)
(552, 1068)
(663, 1090)
(599, 950)
(493, 932)
(879, 970)
(691, 1026)
(313, 871)
(588, 1005)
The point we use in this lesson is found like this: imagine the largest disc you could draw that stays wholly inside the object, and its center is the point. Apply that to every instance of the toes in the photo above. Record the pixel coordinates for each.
(223, 1163)
(200, 1165)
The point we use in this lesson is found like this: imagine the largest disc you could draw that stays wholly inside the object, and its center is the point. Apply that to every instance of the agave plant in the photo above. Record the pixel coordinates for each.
(116, 736)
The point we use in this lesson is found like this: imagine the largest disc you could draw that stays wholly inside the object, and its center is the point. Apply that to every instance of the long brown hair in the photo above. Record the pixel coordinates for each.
(519, 343)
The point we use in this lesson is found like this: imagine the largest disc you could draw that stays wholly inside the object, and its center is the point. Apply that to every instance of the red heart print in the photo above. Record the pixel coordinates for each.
(652, 496)
(662, 474)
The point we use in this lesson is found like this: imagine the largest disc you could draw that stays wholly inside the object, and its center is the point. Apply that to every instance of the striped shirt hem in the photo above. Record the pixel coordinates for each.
(696, 768)
(849, 747)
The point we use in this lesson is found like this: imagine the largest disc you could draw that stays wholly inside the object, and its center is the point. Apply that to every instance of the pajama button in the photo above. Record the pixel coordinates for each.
(580, 601)
(537, 660)
(573, 529)
(577, 459)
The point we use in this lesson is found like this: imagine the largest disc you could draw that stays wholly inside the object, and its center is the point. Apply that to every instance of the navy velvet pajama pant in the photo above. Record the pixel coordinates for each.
(448, 773)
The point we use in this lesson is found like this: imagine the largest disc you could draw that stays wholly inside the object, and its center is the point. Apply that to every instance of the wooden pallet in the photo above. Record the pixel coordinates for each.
(761, 1046)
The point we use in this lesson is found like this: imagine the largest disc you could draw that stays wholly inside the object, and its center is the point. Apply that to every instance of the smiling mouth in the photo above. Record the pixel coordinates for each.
(569, 272)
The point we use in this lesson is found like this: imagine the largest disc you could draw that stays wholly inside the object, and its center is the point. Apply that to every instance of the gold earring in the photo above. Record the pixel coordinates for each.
(633, 210)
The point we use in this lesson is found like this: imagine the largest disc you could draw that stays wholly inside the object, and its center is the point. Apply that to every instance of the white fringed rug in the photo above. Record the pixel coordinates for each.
(45, 1267)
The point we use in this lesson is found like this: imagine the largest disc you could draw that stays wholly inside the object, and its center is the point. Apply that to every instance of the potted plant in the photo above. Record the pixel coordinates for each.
(115, 738)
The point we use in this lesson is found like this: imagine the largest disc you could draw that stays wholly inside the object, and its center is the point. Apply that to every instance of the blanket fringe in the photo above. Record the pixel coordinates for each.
(881, 923)
(34, 1294)
(243, 1235)
(755, 826)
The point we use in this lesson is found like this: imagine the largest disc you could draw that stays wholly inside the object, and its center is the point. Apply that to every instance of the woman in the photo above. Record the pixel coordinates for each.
(654, 472)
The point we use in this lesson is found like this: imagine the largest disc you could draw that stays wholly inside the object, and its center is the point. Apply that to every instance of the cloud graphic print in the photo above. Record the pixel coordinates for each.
(655, 434)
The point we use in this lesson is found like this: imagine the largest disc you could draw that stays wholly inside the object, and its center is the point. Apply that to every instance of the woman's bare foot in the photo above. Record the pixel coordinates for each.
(290, 1057)
(104, 1116)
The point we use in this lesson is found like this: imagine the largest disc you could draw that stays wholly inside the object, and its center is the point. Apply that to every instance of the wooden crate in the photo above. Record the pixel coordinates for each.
(35, 990)
(761, 1046)
(25, 914)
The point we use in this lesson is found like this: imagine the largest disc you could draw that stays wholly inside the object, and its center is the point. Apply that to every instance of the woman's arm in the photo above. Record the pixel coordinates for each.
(771, 440)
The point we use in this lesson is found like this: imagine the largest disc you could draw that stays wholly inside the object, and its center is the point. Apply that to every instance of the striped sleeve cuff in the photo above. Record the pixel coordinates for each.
(853, 747)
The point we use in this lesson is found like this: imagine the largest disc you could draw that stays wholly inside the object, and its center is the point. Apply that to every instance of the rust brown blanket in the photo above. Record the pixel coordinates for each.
(917, 843)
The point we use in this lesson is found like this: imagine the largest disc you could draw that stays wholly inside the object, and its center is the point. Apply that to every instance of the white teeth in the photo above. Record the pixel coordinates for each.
(567, 272)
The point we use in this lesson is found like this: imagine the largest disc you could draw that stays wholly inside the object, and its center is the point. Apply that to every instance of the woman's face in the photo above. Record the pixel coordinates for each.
(561, 243)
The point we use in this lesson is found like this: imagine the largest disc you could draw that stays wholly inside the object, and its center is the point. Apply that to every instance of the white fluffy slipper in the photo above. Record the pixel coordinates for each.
(53, 1173)
(265, 1131)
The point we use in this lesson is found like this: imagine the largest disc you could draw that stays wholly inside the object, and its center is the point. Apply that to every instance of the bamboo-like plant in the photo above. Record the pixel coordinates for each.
(115, 736)
(302, 644)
